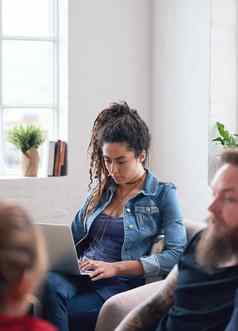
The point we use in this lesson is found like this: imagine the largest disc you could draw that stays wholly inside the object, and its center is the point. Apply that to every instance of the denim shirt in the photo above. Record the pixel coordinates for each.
(154, 210)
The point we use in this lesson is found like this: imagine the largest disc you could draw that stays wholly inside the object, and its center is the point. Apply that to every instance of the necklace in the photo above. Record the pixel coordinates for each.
(121, 197)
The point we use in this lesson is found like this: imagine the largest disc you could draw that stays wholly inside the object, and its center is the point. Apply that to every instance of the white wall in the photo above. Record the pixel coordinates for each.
(224, 53)
(109, 60)
(111, 45)
(224, 35)
(181, 99)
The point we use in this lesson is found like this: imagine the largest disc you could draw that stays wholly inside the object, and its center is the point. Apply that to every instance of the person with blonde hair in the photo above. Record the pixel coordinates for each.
(22, 265)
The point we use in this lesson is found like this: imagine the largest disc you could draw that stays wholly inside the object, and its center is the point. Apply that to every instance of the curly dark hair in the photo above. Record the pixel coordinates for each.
(116, 124)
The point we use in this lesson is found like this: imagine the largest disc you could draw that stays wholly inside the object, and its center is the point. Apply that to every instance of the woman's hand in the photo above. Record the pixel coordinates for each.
(99, 269)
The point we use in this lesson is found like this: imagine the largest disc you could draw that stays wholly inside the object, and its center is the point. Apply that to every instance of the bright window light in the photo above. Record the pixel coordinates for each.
(33, 74)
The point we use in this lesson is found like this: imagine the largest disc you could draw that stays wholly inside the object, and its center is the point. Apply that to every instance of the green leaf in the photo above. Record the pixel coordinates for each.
(26, 137)
(225, 138)
(219, 139)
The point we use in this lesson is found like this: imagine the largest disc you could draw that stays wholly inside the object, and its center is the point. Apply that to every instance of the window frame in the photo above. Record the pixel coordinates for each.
(59, 72)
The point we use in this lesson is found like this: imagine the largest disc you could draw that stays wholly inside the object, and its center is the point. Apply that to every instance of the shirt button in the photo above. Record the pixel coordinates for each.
(128, 210)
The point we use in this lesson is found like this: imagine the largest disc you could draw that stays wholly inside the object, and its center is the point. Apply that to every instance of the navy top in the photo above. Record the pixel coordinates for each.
(106, 237)
(233, 325)
(105, 240)
(202, 301)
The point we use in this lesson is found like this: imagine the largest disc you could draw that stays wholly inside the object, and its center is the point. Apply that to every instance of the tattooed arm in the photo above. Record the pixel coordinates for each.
(147, 315)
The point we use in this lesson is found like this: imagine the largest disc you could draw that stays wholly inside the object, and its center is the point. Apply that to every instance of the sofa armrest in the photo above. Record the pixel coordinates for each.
(119, 305)
(158, 244)
(193, 227)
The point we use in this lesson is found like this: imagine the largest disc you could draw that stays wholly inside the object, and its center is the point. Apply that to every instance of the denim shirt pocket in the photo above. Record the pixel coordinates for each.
(147, 218)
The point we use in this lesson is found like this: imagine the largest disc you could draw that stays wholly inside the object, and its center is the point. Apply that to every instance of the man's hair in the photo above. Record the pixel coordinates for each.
(230, 156)
(21, 247)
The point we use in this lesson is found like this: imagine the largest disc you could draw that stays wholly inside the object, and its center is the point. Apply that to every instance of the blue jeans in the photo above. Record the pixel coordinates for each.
(70, 305)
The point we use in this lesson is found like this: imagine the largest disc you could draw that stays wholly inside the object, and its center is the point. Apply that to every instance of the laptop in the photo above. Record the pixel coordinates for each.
(61, 250)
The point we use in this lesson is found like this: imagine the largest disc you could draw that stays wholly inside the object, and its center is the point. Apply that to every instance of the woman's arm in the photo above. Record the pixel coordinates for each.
(148, 314)
(156, 264)
(174, 236)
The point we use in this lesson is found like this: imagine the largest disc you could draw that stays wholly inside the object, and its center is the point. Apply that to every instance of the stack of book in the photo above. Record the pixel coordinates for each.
(57, 162)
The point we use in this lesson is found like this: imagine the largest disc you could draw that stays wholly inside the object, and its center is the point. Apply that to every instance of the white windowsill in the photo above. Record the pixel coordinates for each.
(27, 178)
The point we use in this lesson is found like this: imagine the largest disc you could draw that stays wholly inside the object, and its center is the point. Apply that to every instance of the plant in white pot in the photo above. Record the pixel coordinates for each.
(225, 138)
(27, 139)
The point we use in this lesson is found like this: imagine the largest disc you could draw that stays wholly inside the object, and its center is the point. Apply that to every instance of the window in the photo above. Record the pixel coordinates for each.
(33, 88)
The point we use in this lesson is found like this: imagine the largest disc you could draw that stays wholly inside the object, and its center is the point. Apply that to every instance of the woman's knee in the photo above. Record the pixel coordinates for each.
(58, 285)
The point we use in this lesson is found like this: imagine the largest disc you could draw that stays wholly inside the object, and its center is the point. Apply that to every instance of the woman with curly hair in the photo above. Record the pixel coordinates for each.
(114, 230)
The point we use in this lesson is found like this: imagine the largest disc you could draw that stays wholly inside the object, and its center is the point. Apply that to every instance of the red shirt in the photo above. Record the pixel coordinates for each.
(24, 323)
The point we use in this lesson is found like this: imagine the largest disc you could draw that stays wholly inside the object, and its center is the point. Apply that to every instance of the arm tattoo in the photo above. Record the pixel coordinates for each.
(147, 315)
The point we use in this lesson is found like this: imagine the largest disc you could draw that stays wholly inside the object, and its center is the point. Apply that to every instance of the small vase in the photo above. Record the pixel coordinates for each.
(30, 162)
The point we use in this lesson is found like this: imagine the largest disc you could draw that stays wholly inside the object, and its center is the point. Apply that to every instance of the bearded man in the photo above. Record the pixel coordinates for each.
(199, 294)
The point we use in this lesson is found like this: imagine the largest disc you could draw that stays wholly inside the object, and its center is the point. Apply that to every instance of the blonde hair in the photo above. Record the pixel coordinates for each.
(22, 247)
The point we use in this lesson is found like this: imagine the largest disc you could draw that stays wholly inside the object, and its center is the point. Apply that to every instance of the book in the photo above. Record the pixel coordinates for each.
(57, 162)
(57, 159)
(51, 157)
(64, 161)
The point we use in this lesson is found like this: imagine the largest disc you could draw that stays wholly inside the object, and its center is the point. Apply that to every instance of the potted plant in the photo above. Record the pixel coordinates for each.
(27, 139)
(225, 138)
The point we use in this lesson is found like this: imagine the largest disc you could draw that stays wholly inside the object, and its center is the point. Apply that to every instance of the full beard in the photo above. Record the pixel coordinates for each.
(216, 247)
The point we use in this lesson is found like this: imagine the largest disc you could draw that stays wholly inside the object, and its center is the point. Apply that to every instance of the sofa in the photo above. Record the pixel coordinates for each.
(118, 306)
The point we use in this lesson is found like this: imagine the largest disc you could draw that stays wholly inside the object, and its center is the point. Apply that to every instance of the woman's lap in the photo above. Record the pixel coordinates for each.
(83, 310)
(69, 303)
(73, 303)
